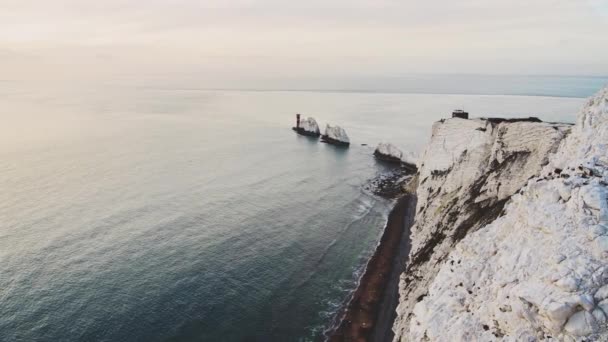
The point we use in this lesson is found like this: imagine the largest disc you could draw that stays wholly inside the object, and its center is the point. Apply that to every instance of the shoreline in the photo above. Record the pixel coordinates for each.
(383, 329)
(370, 312)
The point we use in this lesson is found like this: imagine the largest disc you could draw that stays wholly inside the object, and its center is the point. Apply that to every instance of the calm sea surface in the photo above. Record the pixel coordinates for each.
(146, 214)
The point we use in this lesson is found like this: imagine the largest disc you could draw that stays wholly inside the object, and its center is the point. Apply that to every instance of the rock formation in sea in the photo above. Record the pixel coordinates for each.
(335, 135)
(308, 126)
(388, 152)
(510, 240)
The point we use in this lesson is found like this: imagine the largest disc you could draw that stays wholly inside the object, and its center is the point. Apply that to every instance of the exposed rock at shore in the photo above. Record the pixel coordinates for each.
(335, 135)
(308, 126)
(390, 184)
(467, 174)
(390, 153)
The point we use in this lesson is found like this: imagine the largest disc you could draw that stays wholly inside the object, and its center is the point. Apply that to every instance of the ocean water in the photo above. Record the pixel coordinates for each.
(145, 214)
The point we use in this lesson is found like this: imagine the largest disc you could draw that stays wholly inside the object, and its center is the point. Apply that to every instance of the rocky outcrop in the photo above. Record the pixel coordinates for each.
(335, 135)
(308, 126)
(388, 152)
(540, 271)
(467, 174)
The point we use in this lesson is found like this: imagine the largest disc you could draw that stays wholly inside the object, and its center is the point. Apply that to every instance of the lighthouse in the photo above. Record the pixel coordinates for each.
(306, 126)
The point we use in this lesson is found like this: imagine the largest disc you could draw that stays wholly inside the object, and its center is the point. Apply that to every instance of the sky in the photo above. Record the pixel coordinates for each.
(232, 40)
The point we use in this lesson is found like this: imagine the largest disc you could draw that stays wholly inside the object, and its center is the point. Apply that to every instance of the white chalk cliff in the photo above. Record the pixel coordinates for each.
(510, 241)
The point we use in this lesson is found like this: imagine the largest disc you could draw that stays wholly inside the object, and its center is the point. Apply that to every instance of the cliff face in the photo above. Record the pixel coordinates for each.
(540, 271)
(468, 172)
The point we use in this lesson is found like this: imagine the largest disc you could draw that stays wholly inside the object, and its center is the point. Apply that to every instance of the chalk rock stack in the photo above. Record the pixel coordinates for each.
(308, 126)
(388, 152)
(335, 135)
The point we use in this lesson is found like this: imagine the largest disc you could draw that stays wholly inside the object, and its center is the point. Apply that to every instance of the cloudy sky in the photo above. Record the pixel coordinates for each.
(224, 39)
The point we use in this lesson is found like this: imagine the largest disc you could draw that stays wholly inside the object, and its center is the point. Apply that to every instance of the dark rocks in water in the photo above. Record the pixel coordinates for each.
(332, 141)
(305, 132)
(389, 184)
(409, 167)
(387, 157)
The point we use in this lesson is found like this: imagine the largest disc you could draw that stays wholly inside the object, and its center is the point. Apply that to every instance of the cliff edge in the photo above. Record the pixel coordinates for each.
(511, 233)
(510, 238)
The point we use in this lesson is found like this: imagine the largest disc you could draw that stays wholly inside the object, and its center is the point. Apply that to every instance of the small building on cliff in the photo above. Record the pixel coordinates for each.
(459, 113)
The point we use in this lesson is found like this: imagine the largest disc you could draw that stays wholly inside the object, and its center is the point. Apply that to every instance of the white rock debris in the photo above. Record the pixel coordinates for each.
(310, 125)
(539, 271)
(336, 133)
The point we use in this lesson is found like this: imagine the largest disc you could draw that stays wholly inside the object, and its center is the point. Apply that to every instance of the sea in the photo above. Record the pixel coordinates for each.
(137, 212)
